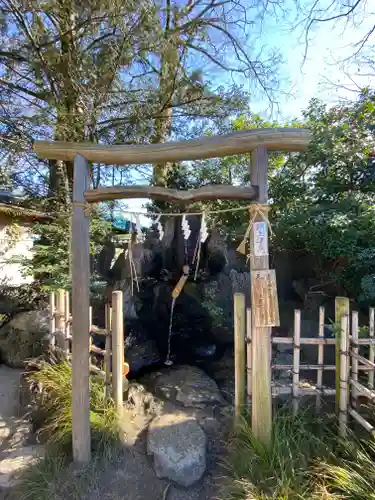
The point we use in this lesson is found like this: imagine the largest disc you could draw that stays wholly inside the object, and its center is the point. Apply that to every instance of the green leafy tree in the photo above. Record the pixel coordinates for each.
(114, 72)
(234, 170)
(323, 200)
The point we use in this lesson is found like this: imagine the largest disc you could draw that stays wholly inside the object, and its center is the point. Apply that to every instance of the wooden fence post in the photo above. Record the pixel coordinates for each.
(80, 311)
(248, 355)
(354, 347)
(60, 319)
(341, 307)
(319, 375)
(90, 317)
(261, 336)
(344, 375)
(296, 359)
(239, 354)
(372, 347)
(52, 319)
(117, 348)
(108, 349)
(67, 322)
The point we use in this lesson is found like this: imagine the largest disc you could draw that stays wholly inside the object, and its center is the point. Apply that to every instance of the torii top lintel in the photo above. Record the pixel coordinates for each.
(276, 139)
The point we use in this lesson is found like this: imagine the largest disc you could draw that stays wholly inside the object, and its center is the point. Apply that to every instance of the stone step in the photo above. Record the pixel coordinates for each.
(14, 462)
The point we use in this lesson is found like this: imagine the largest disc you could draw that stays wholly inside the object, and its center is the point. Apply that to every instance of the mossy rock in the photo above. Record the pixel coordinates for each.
(23, 337)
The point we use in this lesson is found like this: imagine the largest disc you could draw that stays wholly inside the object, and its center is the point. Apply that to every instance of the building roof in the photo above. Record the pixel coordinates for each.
(11, 206)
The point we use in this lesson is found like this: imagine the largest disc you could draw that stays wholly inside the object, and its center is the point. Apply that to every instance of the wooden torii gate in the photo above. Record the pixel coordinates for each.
(255, 141)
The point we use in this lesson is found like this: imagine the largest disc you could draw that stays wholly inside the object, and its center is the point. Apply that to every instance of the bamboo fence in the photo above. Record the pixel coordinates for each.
(113, 355)
(356, 372)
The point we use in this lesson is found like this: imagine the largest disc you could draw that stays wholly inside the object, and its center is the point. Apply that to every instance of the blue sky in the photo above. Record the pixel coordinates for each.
(329, 43)
(303, 80)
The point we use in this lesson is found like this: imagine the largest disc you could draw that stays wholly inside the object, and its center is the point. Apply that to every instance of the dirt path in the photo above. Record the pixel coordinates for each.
(127, 476)
(9, 391)
(14, 431)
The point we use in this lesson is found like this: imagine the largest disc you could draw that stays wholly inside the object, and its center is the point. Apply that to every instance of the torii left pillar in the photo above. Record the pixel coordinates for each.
(80, 248)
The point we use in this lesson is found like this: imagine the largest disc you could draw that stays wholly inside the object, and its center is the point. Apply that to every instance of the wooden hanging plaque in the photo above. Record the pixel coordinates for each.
(265, 304)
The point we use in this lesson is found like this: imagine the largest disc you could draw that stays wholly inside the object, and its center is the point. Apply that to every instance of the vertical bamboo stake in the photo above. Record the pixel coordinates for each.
(90, 325)
(239, 354)
(80, 246)
(344, 375)
(341, 307)
(90, 317)
(117, 348)
(67, 321)
(52, 319)
(296, 359)
(261, 336)
(60, 318)
(355, 349)
(248, 355)
(108, 349)
(372, 347)
(319, 376)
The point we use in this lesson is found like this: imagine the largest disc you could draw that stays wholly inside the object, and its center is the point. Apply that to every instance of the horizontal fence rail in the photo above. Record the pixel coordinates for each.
(356, 371)
(61, 336)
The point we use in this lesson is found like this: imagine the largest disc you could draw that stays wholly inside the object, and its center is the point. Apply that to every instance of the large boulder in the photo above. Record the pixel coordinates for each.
(222, 371)
(188, 386)
(14, 432)
(23, 337)
(140, 407)
(177, 444)
(140, 352)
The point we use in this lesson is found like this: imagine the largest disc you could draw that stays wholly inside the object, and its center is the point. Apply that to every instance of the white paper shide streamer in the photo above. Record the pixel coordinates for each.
(138, 228)
(204, 230)
(185, 227)
(159, 228)
(203, 235)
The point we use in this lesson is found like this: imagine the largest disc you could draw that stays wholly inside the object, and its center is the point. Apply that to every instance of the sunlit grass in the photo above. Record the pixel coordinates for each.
(55, 405)
(307, 460)
(54, 477)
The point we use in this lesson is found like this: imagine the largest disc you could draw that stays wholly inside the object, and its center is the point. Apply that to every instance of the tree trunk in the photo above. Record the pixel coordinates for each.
(70, 121)
(169, 68)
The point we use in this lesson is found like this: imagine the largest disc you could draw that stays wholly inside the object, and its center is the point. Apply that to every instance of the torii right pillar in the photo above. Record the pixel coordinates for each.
(263, 303)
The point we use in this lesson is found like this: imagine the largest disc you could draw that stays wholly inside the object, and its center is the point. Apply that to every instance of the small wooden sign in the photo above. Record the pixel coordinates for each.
(260, 239)
(265, 304)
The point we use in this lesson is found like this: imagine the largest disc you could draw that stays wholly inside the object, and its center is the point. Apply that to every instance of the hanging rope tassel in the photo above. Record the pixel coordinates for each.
(133, 269)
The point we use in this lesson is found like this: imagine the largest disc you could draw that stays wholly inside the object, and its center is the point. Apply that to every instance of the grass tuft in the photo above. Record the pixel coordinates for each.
(283, 471)
(351, 474)
(307, 461)
(55, 406)
(54, 477)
